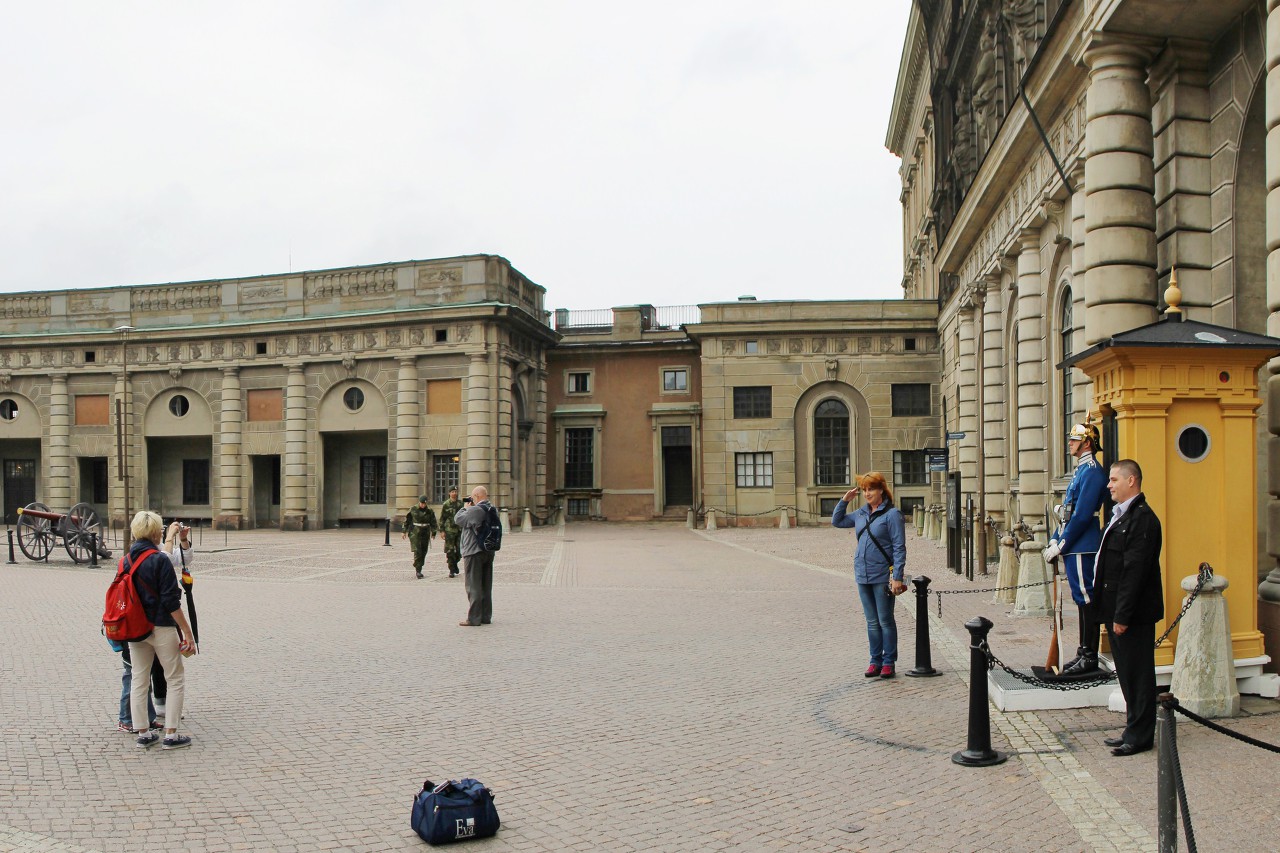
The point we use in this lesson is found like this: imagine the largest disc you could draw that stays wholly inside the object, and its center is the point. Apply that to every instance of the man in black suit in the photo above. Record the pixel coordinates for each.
(1129, 600)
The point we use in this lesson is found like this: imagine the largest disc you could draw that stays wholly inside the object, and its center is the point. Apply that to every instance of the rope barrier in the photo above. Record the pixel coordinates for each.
(1224, 730)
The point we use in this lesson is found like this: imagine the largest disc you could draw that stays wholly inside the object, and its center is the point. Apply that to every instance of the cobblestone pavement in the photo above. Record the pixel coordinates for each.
(642, 687)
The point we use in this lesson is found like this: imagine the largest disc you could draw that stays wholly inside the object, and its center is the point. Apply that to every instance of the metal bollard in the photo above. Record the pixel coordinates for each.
(93, 550)
(1166, 793)
(979, 752)
(924, 660)
(387, 540)
(11, 559)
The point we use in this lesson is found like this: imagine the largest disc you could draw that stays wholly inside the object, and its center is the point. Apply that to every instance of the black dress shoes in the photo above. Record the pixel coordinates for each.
(1129, 749)
(1113, 741)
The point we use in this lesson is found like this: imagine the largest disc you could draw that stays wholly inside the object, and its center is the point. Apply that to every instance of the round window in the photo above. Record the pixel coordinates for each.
(1193, 443)
(353, 399)
(8, 409)
(179, 405)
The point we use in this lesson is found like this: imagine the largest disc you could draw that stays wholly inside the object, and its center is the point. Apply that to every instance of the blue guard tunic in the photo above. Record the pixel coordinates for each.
(1081, 533)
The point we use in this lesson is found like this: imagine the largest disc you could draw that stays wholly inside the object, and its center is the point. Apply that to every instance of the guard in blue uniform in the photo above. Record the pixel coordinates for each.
(1076, 541)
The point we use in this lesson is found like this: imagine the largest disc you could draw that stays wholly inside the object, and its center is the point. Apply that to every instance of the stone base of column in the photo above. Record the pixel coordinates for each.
(526, 521)
(228, 521)
(1032, 569)
(1269, 625)
(1204, 672)
(293, 521)
(1007, 574)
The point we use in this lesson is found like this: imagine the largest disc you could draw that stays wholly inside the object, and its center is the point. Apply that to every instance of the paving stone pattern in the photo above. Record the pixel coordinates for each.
(642, 687)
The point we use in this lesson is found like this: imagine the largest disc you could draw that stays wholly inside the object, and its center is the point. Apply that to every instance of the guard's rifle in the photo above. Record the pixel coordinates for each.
(1051, 661)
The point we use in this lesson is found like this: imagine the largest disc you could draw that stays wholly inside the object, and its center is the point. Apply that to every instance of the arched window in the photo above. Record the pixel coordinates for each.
(831, 443)
(1068, 398)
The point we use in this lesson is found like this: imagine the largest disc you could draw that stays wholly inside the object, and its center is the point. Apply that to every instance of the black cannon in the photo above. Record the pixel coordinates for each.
(79, 530)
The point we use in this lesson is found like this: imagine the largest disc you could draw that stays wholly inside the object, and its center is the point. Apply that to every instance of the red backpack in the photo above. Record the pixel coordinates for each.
(124, 618)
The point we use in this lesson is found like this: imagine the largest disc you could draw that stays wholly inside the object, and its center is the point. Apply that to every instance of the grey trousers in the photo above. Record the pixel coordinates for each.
(477, 573)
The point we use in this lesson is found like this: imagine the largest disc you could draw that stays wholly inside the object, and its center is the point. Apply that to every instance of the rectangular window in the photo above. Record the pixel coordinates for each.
(828, 506)
(579, 383)
(579, 507)
(444, 475)
(265, 404)
(910, 468)
(831, 450)
(910, 400)
(907, 506)
(92, 409)
(444, 396)
(579, 464)
(753, 401)
(675, 379)
(195, 482)
(373, 479)
(753, 347)
(754, 469)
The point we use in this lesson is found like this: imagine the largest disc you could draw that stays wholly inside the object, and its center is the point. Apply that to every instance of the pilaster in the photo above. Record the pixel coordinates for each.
(1033, 480)
(1269, 591)
(480, 447)
(294, 511)
(409, 482)
(231, 425)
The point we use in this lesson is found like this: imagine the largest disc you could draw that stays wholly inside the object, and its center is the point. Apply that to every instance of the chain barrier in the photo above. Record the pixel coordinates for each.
(942, 592)
(993, 662)
(1204, 573)
(542, 520)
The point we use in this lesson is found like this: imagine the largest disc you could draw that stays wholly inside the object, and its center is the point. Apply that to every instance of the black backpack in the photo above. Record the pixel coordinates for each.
(490, 533)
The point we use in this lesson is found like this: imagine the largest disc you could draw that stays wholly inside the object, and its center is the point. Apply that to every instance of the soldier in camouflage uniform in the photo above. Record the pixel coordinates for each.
(450, 532)
(420, 528)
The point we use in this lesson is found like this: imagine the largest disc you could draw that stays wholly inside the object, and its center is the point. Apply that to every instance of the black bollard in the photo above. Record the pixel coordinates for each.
(924, 660)
(979, 752)
(93, 550)
(11, 559)
(387, 541)
(1166, 792)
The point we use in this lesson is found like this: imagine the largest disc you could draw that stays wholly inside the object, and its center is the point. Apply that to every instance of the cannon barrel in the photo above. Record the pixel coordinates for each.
(35, 513)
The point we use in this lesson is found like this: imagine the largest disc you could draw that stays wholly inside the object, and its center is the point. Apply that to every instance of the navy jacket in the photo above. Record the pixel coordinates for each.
(156, 583)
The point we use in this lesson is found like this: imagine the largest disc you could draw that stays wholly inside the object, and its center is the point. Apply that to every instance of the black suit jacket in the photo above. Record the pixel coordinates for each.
(1127, 580)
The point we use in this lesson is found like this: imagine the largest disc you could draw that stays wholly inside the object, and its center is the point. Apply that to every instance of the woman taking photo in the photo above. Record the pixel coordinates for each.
(879, 562)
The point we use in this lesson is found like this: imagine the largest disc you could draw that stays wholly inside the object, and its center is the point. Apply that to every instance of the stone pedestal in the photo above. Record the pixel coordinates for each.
(1032, 569)
(293, 521)
(690, 520)
(1204, 673)
(920, 515)
(526, 521)
(228, 521)
(784, 520)
(1007, 573)
(711, 519)
(504, 515)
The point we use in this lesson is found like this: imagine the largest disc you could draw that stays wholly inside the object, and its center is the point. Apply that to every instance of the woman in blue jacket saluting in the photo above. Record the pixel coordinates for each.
(879, 563)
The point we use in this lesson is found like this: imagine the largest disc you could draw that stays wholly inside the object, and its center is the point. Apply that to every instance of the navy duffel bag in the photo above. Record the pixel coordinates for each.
(454, 811)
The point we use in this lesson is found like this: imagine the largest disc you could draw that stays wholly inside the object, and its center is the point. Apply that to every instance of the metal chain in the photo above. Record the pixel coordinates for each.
(1205, 572)
(1182, 788)
(942, 592)
(993, 662)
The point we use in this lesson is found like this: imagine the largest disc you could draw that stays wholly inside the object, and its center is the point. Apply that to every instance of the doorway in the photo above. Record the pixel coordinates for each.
(266, 491)
(677, 466)
(19, 487)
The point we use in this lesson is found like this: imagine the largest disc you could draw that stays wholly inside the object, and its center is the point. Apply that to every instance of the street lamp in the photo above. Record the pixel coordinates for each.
(122, 412)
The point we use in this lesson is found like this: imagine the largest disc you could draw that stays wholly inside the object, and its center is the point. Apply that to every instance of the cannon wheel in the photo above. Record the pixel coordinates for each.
(35, 535)
(76, 527)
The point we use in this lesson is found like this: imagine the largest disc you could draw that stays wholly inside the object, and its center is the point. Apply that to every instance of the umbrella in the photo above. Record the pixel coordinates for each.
(187, 583)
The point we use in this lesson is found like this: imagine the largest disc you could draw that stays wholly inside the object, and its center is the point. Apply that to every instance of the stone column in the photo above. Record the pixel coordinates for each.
(1120, 219)
(994, 405)
(293, 514)
(505, 477)
(541, 494)
(480, 444)
(1033, 475)
(1033, 478)
(119, 482)
(967, 391)
(58, 489)
(1083, 390)
(409, 480)
(1184, 224)
(1269, 591)
(231, 425)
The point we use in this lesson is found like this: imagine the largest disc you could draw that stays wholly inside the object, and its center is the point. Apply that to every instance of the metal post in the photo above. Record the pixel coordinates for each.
(1166, 794)
(924, 661)
(979, 752)
(968, 540)
(93, 550)
(387, 540)
(11, 559)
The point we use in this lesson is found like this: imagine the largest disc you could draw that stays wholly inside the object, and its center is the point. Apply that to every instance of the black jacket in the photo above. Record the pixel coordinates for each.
(1127, 580)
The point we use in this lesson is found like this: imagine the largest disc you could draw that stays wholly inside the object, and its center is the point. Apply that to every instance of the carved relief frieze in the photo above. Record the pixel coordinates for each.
(153, 354)
(265, 291)
(416, 337)
(774, 346)
(728, 347)
(86, 303)
(864, 344)
(217, 348)
(68, 357)
(197, 351)
(373, 282)
(304, 344)
(370, 340)
(463, 332)
(347, 342)
(819, 345)
(46, 358)
(393, 337)
(238, 349)
(175, 352)
(445, 275)
(325, 343)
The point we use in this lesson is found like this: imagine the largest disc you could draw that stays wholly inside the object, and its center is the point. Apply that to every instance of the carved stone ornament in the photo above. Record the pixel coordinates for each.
(350, 364)
(833, 367)
(175, 372)
(6, 379)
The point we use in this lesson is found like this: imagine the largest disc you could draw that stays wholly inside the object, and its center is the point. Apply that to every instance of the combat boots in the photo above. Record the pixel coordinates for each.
(1085, 662)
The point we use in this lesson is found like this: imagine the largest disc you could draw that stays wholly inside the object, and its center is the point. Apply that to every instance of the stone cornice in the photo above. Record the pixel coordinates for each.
(911, 68)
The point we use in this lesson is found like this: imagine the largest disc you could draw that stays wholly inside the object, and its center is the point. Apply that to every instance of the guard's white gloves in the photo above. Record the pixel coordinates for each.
(1057, 512)
(1054, 551)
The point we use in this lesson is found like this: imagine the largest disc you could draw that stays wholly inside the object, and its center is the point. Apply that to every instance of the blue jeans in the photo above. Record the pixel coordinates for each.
(882, 630)
(126, 686)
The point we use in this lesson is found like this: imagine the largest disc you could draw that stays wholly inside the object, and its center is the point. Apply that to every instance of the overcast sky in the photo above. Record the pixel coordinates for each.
(615, 152)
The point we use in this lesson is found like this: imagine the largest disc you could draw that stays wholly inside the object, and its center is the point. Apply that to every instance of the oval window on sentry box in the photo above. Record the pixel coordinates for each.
(1193, 443)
